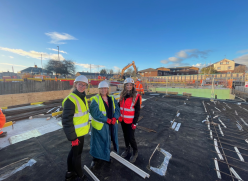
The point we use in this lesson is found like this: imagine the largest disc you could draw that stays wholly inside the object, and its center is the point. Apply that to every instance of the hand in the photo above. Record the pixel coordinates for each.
(109, 121)
(75, 142)
(113, 121)
(120, 119)
(133, 126)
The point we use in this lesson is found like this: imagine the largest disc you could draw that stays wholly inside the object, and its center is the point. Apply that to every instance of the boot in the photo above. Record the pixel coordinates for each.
(69, 176)
(94, 164)
(126, 152)
(134, 156)
(79, 178)
(3, 134)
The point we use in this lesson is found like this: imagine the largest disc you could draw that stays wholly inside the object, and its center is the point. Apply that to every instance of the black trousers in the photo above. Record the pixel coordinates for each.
(129, 135)
(74, 158)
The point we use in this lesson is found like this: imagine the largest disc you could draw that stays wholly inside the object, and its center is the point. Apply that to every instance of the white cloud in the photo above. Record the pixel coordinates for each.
(117, 68)
(11, 57)
(164, 61)
(200, 65)
(242, 59)
(185, 54)
(58, 38)
(33, 54)
(242, 51)
(13, 64)
(88, 66)
(3, 55)
(53, 49)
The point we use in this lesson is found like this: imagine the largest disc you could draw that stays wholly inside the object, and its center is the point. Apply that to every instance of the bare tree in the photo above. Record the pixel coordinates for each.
(129, 71)
(103, 71)
(64, 67)
(240, 69)
(111, 71)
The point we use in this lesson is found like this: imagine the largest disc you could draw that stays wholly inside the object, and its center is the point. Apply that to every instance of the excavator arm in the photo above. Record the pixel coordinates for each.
(129, 65)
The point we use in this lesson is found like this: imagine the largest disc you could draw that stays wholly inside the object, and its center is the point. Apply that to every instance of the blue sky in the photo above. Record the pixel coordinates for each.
(113, 33)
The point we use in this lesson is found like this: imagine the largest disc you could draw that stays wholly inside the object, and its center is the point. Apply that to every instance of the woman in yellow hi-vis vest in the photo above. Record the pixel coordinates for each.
(105, 111)
(75, 122)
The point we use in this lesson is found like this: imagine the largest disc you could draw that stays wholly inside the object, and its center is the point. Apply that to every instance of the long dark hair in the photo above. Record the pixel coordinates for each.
(124, 92)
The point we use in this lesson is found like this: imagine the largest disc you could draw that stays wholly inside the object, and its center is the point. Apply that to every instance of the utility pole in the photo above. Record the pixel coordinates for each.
(58, 52)
(41, 66)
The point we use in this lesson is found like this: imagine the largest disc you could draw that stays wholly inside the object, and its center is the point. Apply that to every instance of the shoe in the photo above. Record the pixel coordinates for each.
(134, 156)
(70, 176)
(3, 134)
(126, 152)
(79, 178)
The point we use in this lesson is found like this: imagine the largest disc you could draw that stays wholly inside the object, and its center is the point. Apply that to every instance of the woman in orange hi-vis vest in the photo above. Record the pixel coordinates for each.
(130, 110)
(2, 122)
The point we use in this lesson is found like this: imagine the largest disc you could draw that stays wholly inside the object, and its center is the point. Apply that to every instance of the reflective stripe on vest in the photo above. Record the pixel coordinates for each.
(127, 109)
(81, 115)
(97, 124)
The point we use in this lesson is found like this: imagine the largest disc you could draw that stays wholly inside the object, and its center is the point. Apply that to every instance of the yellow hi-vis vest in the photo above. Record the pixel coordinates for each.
(97, 124)
(81, 115)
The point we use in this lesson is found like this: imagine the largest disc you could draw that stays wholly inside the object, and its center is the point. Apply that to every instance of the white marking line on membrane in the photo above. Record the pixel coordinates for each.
(129, 165)
(90, 173)
(236, 113)
(245, 109)
(239, 154)
(222, 123)
(217, 149)
(235, 173)
(30, 163)
(178, 114)
(178, 126)
(211, 134)
(246, 140)
(244, 121)
(174, 125)
(221, 130)
(217, 168)
(208, 126)
(217, 109)
(204, 106)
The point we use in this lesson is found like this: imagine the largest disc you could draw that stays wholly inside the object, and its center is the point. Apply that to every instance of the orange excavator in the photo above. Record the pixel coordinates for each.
(125, 68)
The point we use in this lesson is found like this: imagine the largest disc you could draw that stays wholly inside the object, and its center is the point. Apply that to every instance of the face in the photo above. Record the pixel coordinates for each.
(104, 91)
(129, 86)
(81, 86)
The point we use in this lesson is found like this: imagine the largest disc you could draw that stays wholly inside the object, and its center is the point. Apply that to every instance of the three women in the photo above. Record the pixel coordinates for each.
(105, 114)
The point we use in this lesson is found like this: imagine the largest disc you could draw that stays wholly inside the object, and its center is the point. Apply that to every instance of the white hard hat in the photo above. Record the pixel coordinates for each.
(103, 84)
(128, 80)
(81, 78)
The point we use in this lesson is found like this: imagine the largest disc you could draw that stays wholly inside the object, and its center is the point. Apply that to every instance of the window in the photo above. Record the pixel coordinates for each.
(229, 67)
(221, 63)
(227, 62)
(218, 68)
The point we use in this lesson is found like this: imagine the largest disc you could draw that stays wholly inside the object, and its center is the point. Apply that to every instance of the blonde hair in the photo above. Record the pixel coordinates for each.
(124, 92)
(73, 87)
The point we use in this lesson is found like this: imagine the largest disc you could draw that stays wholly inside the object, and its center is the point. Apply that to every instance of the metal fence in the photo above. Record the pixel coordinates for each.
(32, 86)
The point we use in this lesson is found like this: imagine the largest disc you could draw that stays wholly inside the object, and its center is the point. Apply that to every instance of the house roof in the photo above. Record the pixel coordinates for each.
(149, 70)
(189, 67)
(163, 69)
(34, 70)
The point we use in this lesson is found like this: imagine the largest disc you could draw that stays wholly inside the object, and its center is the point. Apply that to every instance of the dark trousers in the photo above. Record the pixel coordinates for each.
(74, 158)
(112, 136)
(129, 135)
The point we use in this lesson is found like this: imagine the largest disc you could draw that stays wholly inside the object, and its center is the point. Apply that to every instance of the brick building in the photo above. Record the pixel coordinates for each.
(162, 71)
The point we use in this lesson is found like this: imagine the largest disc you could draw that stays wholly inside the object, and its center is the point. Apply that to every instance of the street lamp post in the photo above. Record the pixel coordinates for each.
(58, 52)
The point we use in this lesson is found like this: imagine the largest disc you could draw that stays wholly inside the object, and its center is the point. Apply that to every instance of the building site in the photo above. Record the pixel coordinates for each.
(133, 90)
(189, 126)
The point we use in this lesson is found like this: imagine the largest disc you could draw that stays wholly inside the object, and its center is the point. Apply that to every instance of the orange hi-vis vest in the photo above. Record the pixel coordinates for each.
(127, 109)
(139, 87)
(2, 120)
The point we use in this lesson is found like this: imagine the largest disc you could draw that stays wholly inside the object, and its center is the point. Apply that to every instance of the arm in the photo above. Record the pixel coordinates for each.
(141, 88)
(137, 111)
(67, 120)
(117, 110)
(96, 113)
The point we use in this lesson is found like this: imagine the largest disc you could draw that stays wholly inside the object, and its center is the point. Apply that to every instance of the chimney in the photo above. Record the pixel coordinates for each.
(35, 66)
